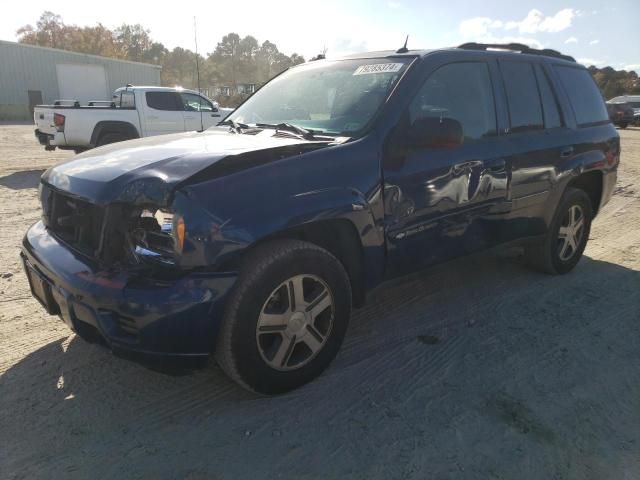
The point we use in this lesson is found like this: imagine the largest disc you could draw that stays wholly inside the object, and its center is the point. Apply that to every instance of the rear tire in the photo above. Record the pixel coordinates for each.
(108, 138)
(623, 125)
(567, 236)
(286, 319)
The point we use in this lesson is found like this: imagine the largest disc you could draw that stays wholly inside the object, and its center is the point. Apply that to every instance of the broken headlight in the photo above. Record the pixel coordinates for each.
(158, 235)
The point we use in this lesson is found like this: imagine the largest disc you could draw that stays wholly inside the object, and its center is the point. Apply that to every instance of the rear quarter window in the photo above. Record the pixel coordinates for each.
(585, 97)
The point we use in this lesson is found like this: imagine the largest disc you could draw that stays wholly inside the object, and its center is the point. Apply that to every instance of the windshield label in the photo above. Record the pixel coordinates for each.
(378, 68)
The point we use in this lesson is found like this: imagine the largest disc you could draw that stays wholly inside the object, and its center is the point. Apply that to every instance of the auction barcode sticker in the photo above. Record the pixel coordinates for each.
(378, 68)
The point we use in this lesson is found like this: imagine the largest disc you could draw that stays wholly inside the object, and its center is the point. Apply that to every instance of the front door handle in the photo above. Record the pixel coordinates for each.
(566, 152)
(496, 164)
(459, 167)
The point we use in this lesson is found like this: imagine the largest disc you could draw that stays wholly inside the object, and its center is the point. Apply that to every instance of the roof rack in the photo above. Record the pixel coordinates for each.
(516, 47)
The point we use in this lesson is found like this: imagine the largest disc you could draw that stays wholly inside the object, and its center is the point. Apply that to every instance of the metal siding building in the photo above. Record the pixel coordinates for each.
(31, 75)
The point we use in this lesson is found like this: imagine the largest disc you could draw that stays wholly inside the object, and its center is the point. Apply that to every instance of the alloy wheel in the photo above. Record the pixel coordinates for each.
(295, 322)
(570, 232)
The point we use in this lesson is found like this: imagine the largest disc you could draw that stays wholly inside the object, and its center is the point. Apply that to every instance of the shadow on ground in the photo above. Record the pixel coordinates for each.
(22, 180)
(474, 369)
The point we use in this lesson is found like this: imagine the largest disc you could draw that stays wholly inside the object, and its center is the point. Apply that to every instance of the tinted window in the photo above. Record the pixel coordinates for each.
(549, 103)
(195, 103)
(583, 93)
(520, 84)
(164, 101)
(461, 91)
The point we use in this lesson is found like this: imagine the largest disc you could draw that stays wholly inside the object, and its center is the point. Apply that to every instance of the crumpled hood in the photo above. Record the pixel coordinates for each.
(147, 170)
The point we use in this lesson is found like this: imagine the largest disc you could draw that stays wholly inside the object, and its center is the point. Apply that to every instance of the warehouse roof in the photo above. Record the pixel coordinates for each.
(58, 50)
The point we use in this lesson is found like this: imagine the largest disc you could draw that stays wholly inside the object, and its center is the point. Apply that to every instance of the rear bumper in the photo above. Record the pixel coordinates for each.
(131, 312)
(43, 138)
(50, 140)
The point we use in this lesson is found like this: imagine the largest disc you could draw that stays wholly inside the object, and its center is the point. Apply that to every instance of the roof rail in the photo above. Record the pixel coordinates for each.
(516, 47)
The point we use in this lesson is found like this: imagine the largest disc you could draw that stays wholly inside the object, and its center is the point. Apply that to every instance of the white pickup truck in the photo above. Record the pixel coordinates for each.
(133, 112)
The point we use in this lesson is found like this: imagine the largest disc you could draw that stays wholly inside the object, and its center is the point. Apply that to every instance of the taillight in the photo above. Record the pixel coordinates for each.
(58, 121)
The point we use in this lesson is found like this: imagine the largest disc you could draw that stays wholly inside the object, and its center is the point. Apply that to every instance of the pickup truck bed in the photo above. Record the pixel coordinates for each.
(134, 112)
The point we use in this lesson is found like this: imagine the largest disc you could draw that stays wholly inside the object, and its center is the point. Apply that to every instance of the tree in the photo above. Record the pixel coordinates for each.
(134, 41)
(264, 59)
(49, 31)
(613, 83)
(234, 61)
(247, 66)
(296, 59)
(227, 56)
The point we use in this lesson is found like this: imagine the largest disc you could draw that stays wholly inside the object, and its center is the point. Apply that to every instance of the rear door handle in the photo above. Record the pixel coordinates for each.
(566, 152)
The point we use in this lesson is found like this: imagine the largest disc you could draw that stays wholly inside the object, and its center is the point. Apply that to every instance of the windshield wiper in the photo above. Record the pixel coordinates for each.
(288, 127)
(236, 126)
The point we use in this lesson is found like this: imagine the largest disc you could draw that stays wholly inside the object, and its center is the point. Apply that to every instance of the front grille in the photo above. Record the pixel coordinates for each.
(76, 222)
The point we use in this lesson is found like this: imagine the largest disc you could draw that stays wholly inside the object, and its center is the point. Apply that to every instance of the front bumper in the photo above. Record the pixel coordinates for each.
(130, 311)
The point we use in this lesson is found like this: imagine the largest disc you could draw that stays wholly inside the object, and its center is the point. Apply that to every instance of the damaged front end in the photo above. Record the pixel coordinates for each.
(118, 234)
(118, 271)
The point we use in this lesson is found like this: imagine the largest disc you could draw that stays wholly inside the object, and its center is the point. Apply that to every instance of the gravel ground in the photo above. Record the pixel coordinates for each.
(474, 369)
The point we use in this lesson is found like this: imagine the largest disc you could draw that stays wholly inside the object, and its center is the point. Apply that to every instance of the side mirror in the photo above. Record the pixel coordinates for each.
(435, 132)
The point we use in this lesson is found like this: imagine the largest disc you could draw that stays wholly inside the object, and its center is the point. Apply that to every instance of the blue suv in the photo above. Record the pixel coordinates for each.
(253, 240)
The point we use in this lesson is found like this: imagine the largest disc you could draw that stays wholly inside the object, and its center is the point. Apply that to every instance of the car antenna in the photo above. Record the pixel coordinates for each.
(195, 37)
(404, 48)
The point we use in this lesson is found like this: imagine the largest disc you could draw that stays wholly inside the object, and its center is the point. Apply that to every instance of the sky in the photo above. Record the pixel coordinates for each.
(595, 32)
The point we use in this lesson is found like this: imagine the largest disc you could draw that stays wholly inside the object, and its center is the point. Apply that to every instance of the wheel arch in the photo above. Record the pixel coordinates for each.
(339, 236)
(591, 182)
(113, 126)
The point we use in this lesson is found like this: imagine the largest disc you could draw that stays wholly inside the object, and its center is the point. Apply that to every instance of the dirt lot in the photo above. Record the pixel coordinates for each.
(475, 369)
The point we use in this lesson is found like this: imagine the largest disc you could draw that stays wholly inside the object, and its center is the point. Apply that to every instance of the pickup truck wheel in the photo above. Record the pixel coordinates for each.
(286, 318)
(623, 125)
(567, 237)
(108, 138)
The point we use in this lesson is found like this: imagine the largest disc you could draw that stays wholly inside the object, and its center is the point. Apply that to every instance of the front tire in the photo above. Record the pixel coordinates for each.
(286, 319)
(109, 138)
(567, 236)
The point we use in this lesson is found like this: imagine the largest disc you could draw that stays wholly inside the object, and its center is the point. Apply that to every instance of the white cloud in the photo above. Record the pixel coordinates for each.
(473, 27)
(490, 30)
(594, 42)
(633, 66)
(535, 22)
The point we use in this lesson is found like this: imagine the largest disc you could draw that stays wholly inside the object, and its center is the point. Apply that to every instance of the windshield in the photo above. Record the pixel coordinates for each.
(334, 97)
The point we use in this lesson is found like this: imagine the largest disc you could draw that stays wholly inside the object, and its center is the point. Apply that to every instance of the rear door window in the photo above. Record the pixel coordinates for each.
(550, 110)
(164, 101)
(525, 110)
(585, 97)
(460, 91)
